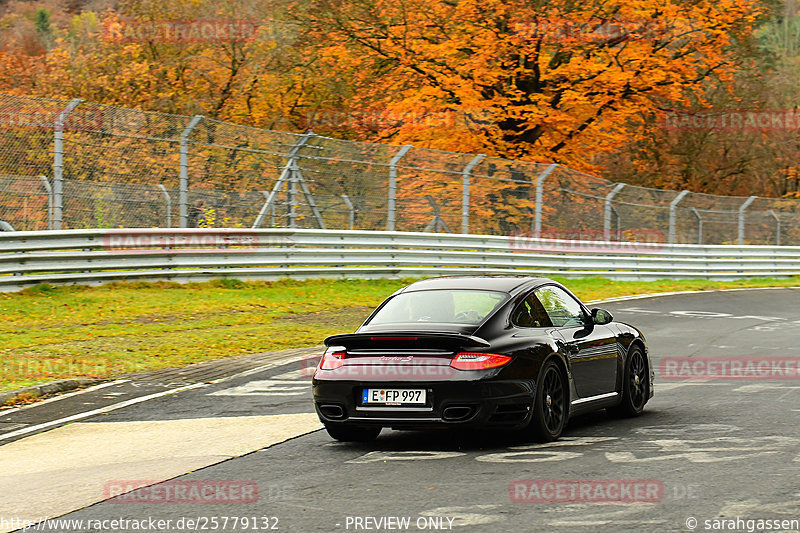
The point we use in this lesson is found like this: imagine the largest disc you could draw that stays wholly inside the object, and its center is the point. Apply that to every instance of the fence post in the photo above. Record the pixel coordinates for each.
(298, 179)
(539, 197)
(607, 215)
(351, 209)
(742, 209)
(168, 201)
(183, 194)
(287, 175)
(58, 162)
(618, 222)
(392, 206)
(49, 190)
(699, 225)
(673, 210)
(292, 197)
(266, 209)
(465, 174)
(777, 227)
(437, 224)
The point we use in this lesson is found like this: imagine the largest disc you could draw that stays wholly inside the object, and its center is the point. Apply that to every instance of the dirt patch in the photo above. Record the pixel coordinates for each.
(348, 318)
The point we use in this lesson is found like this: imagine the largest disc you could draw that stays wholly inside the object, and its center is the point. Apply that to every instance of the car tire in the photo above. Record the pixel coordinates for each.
(635, 385)
(550, 409)
(347, 433)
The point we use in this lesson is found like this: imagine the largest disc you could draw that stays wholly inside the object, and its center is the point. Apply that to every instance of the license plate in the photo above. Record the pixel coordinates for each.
(393, 396)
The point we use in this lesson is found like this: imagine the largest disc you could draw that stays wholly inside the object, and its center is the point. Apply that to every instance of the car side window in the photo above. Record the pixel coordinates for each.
(563, 309)
(530, 314)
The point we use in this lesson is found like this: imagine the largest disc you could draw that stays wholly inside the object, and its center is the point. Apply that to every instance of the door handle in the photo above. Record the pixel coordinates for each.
(570, 348)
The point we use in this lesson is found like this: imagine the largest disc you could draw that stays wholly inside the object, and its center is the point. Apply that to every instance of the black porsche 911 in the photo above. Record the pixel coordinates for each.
(480, 352)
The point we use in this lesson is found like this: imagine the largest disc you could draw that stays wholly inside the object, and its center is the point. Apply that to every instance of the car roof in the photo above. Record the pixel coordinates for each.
(509, 284)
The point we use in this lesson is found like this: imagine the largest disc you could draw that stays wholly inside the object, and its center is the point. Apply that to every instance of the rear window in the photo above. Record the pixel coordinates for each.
(439, 306)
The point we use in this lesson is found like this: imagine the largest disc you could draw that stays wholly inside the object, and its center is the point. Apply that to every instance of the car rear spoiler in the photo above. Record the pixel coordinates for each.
(405, 339)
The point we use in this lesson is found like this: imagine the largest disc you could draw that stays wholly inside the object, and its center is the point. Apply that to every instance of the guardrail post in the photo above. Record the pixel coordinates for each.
(351, 209)
(777, 227)
(58, 162)
(742, 209)
(699, 225)
(183, 194)
(539, 197)
(465, 174)
(49, 190)
(607, 215)
(392, 205)
(168, 201)
(673, 210)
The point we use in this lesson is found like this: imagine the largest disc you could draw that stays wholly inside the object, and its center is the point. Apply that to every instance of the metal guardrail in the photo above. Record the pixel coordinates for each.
(96, 256)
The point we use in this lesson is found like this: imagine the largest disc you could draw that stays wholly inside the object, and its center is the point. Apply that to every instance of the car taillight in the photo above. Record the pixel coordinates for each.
(478, 361)
(333, 358)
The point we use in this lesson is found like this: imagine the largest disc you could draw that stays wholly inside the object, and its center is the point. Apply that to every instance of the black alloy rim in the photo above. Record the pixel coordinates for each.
(553, 400)
(638, 379)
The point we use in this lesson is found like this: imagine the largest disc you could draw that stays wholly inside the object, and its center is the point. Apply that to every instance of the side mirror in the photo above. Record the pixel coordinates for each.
(601, 316)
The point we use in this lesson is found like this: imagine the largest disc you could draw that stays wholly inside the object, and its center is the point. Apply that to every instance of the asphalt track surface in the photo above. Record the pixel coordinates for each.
(721, 454)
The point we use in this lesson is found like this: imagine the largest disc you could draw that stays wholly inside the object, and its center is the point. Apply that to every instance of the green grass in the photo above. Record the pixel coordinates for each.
(50, 333)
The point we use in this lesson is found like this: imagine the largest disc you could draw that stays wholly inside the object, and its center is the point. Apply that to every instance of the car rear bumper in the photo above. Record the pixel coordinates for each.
(501, 404)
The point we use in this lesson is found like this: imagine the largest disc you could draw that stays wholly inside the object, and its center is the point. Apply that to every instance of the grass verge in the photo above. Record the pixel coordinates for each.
(50, 333)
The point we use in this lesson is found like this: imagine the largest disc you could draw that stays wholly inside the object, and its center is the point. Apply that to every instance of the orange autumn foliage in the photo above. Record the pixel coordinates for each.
(556, 80)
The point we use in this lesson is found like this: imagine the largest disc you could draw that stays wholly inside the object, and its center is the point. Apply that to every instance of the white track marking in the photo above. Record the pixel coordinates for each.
(268, 387)
(93, 412)
(379, 457)
(530, 456)
(54, 473)
(762, 387)
(693, 457)
(468, 515)
(711, 450)
(598, 514)
(65, 395)
(656, 295)
(303, 374)
(134, 401)
(671, 385)
(680, 430)
(565, 441)
(758, 508)
(706, 315)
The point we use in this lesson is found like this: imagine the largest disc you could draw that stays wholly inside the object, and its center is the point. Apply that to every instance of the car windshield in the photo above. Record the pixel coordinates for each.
(439, 306)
